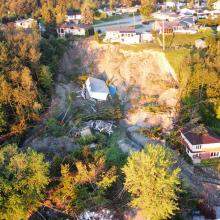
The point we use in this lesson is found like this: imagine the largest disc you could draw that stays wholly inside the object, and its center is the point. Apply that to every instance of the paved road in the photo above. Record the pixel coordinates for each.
(123, 22)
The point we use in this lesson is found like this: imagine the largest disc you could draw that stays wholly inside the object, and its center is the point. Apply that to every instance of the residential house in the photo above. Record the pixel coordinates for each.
(72, 29)
(128, 10)
(25, 23)
(146, 37)
(200, 146)
(216, 5)
(73, 15)
(124, 35)
(169, 27)
(97, 89)
(170, 4)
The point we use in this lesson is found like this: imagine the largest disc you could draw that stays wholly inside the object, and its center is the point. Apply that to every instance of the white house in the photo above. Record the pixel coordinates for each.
(146, 37)
(216, 5)
(97, 88)
(72, 29)
(201, 146)
(25, 23)
(73, 15)
(170, 4)
(124, 35)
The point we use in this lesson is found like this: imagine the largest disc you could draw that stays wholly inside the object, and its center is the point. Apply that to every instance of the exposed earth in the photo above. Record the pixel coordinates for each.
(147, 89)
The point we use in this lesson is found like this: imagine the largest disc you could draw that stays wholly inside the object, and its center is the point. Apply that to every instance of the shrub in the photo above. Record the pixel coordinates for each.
(86, 140)
(90, 32)
(54, 128)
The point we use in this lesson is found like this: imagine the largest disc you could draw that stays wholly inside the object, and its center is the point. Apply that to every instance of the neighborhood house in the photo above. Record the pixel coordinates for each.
(72, 29)
(73, 16)
(126, 35)
(201, 146)
(25, 23)
(97, 89)
(169, 27)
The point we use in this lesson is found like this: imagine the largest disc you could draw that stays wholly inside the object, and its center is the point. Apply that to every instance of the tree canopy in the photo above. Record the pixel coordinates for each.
(24, 177)
(152, 182)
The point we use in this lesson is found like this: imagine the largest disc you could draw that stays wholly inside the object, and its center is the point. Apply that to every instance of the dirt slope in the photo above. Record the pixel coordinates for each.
(138, 74)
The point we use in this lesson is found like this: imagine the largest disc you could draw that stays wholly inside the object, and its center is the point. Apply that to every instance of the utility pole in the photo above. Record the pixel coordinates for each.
(163, 37)
(134, 19)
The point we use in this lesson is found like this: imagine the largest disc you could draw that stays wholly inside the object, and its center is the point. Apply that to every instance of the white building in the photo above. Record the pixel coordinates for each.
(125, 35)
(146, 37)
(72, 29)
(25, 23)
(97, 89)
(73, 16)
(128, 10)
(218, 28)
(201, 146)
(170, 4)
(216, 5)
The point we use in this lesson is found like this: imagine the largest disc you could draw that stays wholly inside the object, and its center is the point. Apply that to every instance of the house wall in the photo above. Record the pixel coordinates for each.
(24, 24)
(129, 38)
(70, 18)
(124, 38)
(75, 31)
(201, 151)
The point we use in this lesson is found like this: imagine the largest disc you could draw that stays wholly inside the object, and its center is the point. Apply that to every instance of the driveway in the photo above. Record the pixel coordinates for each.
(123, 22)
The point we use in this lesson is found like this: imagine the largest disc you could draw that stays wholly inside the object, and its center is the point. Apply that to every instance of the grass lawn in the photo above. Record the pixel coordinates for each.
(212, 163)
(172, 40)
(140, 47)
(177, 58)
(109, 18)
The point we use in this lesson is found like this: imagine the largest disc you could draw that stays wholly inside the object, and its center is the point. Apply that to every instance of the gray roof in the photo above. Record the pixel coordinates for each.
(98, 85)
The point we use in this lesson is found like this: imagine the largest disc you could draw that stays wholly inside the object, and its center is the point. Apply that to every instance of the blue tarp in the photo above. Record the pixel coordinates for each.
(112, 90)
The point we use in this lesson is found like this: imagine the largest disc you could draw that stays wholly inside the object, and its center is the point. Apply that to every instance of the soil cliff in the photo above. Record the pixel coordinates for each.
(143, 77)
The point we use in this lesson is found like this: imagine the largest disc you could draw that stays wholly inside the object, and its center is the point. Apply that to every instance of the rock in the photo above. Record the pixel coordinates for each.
(86, 132)
(128, 146)
(93, 145)
(53, 144)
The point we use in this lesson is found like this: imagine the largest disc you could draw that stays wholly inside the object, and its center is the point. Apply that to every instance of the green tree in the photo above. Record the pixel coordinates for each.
(24, 177)
(127, 3)
(112, 4)
(84, 186)
(87, 11)
(152, 183)
(147, 7)
(45, 78)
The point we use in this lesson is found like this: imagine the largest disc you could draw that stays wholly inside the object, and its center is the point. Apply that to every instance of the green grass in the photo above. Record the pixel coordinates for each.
(140, 47)
(212, 163)
(173, 40)
(177, 59)
(109, 18)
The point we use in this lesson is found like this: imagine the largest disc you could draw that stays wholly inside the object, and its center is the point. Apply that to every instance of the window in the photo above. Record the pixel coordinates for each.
(214, 154)
(198, 147)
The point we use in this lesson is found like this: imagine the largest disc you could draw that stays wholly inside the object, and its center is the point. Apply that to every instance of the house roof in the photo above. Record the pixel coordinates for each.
(72, 12)
(195, 139)
(97, 85)
(73, 25)
(169, 24)
(121, 29)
